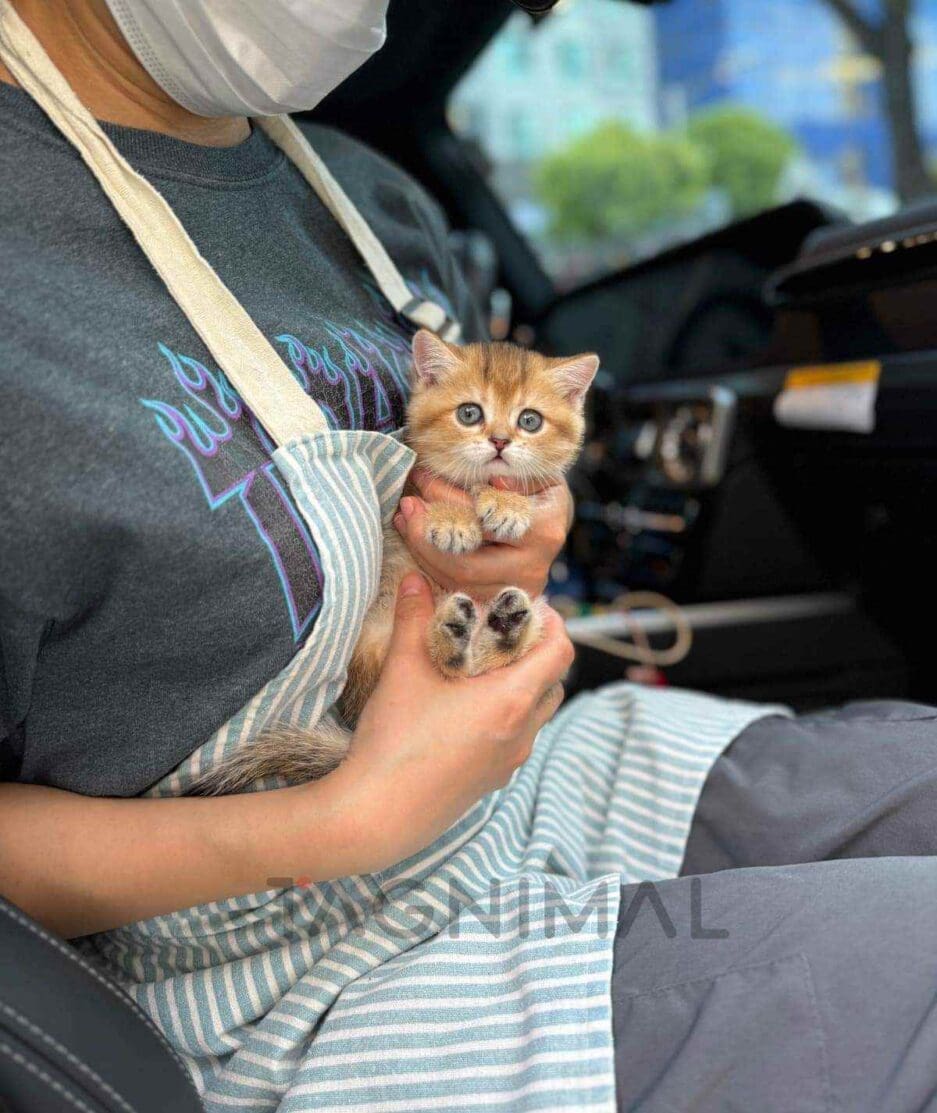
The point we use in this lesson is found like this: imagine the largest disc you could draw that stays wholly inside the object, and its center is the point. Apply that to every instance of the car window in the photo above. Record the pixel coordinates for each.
(611, 130)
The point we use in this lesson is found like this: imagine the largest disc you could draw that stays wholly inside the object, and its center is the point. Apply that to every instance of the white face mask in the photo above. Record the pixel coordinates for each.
(251, 57)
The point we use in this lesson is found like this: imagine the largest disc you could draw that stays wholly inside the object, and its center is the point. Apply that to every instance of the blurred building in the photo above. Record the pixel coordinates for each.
(538, 86)
(794, 62)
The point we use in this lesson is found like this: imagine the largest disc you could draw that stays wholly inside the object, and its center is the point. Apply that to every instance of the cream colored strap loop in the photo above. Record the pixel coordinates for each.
(256, 371)
(427, 314)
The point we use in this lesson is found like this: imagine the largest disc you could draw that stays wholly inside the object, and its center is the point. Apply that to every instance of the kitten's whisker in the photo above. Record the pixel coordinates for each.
(463, 473)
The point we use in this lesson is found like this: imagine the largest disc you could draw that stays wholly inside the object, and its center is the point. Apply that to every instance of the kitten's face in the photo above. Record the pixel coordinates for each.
(495, 409)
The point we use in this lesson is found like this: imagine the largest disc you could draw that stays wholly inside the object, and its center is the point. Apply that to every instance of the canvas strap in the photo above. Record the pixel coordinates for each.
(240, 349)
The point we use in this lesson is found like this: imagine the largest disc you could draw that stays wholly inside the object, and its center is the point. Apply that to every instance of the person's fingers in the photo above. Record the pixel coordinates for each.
(542, 712)
(550, 496)
(411, 517)
(434, 489)
(552, 514)
(497, 563)
(524, 487)
(482, 572)
(445, 568)
(548, 705)
(413, 610)
(410, 522)
(545, 664)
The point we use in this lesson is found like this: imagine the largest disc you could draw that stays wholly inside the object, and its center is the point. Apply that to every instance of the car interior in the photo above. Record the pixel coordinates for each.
(799, 554)
(762, 440)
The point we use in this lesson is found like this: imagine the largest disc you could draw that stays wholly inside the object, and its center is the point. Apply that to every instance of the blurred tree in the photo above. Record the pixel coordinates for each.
(747, 155)
(614, 181)
(888, 39)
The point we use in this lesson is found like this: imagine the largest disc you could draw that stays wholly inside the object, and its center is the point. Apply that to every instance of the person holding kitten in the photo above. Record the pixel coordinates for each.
(281, 741)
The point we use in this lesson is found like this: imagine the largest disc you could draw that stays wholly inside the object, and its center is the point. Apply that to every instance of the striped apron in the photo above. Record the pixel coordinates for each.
(475, 974)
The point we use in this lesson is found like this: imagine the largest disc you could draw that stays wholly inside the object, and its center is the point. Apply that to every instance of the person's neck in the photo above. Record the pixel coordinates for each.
(82, 39)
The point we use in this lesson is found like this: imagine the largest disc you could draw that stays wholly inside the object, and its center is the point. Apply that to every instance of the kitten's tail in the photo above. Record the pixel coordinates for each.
(298, 755)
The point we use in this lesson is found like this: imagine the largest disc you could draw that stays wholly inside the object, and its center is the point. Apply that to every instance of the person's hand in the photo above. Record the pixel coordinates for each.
(427, 748)
(524, 563)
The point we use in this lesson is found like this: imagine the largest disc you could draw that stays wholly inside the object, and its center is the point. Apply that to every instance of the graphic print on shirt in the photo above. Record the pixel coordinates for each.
(359, 377)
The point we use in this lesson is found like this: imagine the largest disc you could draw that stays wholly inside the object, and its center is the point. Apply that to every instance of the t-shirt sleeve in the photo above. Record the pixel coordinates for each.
(20, 639)
(9, 758)
(40, 534)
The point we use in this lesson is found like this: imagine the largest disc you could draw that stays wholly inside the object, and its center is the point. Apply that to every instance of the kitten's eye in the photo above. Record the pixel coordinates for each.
(530, 421)
(469, 414)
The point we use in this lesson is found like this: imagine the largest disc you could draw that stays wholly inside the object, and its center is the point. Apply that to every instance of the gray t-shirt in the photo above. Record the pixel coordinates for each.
(154, 573)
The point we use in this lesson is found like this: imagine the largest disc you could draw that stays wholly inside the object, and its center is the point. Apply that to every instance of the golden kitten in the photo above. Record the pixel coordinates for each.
(475, 412)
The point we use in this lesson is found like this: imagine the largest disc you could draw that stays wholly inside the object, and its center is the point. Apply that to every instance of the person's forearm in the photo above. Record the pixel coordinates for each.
(81, 864)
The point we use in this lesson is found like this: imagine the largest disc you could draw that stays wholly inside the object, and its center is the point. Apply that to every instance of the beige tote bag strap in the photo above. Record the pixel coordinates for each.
(244, 354)
(427, 314)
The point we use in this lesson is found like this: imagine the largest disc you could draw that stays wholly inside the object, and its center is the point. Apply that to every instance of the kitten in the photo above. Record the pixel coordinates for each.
(475, 412)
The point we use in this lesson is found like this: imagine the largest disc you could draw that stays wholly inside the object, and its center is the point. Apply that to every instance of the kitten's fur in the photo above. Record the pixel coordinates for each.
(466, 638)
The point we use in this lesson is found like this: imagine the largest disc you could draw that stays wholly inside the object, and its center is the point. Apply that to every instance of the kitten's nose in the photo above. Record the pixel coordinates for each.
(500, 443)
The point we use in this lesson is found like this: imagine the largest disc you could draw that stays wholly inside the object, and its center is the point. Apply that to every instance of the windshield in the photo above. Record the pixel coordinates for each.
(611, 131)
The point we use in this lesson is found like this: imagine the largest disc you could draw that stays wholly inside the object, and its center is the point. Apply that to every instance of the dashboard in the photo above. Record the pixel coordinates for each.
(694, 486)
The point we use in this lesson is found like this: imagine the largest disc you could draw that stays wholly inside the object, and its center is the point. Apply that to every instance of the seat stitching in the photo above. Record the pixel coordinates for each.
(73, 1059)
(120, 994)
(46, 1078)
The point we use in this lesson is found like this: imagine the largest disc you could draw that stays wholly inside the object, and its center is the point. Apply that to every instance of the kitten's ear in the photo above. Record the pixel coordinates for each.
(574, 375)
(433, 359)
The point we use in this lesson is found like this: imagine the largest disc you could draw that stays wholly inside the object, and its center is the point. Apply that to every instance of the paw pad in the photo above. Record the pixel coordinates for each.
(509, 613)
(458, 618)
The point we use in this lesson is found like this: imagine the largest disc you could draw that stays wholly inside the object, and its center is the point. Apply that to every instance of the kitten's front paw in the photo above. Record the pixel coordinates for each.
(452, 529)
(450, 634)
(506, 515)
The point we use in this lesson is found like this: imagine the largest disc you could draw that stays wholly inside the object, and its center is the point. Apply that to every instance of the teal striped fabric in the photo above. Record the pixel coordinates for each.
(474, 975)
